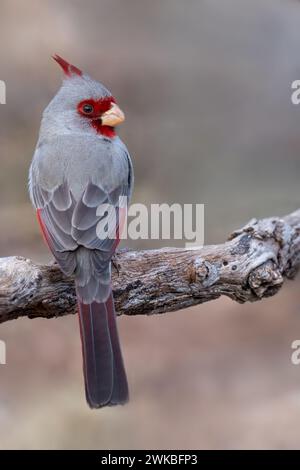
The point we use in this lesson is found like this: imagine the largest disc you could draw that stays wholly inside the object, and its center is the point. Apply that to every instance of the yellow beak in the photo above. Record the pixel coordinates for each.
(113, 116)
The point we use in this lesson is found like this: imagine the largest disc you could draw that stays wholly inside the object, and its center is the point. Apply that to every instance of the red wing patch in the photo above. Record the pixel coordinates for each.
(42, 226)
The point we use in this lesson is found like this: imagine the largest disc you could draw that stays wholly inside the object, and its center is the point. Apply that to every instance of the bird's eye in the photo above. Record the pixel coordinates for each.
(87, 108)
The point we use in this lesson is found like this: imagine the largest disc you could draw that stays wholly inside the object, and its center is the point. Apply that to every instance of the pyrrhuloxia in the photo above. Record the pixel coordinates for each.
(80, 164)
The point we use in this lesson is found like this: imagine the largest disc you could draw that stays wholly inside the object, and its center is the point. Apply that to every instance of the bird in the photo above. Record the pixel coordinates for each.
(79, 167)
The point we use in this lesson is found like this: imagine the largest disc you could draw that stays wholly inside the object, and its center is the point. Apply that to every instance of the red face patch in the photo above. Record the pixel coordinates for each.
(93, 110)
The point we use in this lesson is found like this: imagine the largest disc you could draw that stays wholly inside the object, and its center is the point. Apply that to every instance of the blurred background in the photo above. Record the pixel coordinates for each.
(206, 88)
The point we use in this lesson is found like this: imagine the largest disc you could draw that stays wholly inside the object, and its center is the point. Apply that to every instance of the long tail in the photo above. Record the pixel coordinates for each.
(104, 373)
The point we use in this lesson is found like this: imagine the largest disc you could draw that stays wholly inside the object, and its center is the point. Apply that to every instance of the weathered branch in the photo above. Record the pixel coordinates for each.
(250, 266)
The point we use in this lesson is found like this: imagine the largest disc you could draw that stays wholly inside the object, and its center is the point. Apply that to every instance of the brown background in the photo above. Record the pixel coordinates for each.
(206, 90)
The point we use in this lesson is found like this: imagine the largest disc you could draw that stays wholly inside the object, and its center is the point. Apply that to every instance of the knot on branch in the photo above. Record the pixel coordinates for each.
(203, 272)
(265, 280)
(282, 235)
(271, 228)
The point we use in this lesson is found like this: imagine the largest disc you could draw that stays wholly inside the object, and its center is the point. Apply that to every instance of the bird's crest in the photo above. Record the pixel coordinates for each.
(68, 69)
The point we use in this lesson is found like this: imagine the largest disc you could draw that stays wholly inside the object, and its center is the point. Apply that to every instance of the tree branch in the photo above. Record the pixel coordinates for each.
(250, 266)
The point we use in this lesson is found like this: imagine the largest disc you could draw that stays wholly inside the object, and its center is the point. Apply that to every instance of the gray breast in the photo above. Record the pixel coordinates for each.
(79, 159)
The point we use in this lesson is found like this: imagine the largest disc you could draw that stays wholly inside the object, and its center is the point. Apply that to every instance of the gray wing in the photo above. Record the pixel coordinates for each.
(70, 223)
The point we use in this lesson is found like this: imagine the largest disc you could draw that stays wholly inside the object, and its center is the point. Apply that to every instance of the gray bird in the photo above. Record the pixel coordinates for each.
(79, 167)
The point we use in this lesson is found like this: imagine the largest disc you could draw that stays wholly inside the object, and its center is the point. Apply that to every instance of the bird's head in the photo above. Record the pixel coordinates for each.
(83, 104)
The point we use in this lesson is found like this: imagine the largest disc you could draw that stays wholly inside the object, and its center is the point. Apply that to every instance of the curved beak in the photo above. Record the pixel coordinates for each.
(113, 116)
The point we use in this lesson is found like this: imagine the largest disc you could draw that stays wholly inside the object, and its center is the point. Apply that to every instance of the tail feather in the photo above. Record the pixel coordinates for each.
(120, 393)
(104, 373)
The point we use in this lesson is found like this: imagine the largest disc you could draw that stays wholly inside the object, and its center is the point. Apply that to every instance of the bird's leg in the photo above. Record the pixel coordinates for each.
(114, 260)
(115, 263)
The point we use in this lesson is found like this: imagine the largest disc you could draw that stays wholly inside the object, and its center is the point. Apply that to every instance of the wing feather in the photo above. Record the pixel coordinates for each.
(81, 236)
